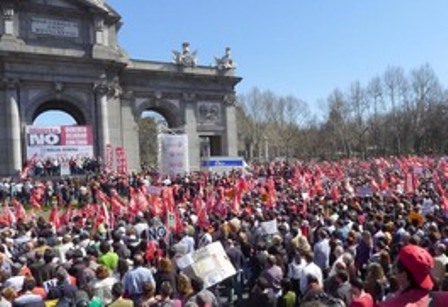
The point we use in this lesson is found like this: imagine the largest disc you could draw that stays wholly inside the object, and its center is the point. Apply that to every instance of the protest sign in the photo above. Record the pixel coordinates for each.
(209, 263)
(157, 232)
(365, 191)
(269, 228)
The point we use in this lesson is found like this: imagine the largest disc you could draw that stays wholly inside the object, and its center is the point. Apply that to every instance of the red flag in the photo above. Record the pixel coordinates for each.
(29, 164)
(168, 198)
(101, 197)
(409, 183)
(157, 207)
(143, 203)
(9, 215)
(235, 205)
(335, 194)
(67, 216)
(179, 225)
(211, 201)
(201, 212)
(20, 211)
(444, 204)
(117, 205)
(151, 249)
(55, 217)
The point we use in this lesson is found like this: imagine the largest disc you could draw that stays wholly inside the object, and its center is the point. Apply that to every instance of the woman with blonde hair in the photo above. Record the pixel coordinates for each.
(385, 262)
(184, 288)
(375, 282)
(8, 295)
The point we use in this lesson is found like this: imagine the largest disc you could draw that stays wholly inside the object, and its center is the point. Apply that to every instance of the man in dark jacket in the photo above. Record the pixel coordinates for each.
(262, 294)
(63, 290)
(78, 268)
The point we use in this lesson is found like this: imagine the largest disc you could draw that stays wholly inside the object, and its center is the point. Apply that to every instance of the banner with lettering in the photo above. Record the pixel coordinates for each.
(173, 154)
(59, 142)
(109, 157)
(122, 163)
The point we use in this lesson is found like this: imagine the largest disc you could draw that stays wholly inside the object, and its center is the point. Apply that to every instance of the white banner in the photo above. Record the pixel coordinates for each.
(269, 227)
(59, 142)
(173, 154)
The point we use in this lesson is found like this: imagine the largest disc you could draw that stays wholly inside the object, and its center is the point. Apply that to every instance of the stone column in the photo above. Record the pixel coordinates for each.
(191, 130)
(129, 130)
(102, 92)
(231, 137)
(14, 145)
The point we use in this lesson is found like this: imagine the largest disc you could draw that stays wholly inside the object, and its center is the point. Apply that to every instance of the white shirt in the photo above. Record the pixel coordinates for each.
(103, 289)
(63, 249)
(189, 244)
(310, 269)
(205, 240)
(295, 269)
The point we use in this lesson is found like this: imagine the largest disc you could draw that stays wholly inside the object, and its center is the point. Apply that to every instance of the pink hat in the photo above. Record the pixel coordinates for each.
(419, 263)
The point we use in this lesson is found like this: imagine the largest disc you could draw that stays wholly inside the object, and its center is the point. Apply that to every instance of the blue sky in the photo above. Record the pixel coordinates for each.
(302, 48)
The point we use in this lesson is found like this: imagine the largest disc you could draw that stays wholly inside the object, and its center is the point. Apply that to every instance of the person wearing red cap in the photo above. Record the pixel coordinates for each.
(414, 277)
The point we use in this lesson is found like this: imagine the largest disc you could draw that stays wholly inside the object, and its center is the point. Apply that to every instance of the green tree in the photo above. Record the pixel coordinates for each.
(147, 130)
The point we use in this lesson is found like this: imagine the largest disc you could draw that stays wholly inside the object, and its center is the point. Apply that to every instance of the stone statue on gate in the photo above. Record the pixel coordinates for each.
(185, 57)
(225, 62)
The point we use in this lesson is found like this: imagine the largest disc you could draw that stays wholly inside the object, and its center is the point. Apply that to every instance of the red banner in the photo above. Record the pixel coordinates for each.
(122, 164)
(109, 156)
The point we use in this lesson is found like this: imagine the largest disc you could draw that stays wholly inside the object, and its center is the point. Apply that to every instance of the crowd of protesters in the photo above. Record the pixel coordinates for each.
(52, 167)
(348, 233)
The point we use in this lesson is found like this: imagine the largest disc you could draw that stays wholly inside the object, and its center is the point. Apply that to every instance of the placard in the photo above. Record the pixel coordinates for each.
(210, 263)
(364, 192)
(173, 154)
(157, 232)
(269, 228)
(59, 142)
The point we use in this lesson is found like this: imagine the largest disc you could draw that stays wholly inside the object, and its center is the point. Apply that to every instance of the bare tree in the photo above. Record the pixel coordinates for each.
(375, 98)
(359, 111)
(396, 95)
(425, 96)
(338, 121)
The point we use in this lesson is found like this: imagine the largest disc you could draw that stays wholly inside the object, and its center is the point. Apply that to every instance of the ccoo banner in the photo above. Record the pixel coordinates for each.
(109, 157)
(59, 142)
(173, 154)
(122, 162)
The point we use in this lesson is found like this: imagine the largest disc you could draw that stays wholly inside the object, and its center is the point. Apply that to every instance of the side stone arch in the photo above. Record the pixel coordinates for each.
(62, 102)
(168, 109)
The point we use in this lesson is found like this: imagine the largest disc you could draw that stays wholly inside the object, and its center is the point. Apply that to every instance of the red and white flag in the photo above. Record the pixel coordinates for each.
(122, 164)
(109, 157)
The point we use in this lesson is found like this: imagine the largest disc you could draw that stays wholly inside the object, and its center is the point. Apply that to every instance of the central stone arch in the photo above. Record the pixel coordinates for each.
(63, 103)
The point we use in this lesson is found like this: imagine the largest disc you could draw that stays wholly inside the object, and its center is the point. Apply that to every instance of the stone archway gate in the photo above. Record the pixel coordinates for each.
(63, 54)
